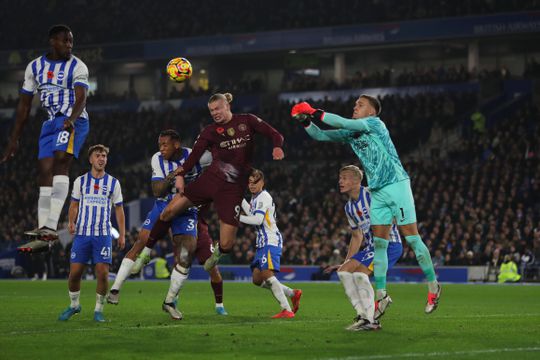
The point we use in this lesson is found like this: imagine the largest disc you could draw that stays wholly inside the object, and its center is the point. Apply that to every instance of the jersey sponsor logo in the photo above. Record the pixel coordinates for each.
(237, 143)
(242, 127)
(95, 199)
(231, 132)
(60, 76)
(49, 87)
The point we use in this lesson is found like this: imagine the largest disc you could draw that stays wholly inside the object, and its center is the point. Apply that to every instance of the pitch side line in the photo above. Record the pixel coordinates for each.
(439, 353)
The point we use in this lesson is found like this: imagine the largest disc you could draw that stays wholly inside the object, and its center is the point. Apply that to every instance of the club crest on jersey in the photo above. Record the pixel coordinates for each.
(231, 132)
(50, 75)
(242, 127)
(60, 76)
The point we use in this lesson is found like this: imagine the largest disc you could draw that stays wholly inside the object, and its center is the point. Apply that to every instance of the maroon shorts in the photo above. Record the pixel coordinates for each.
(227, 197)
(204, 242)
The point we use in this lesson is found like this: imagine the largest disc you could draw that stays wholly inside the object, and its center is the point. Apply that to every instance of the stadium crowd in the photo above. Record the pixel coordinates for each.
(113, 21)
(475, 206)
(389, 76)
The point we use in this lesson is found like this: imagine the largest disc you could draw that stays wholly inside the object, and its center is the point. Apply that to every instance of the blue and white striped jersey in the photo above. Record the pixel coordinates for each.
(357, 212)
(95, 197)
(161, 168)
(267, 233)
(56, 81)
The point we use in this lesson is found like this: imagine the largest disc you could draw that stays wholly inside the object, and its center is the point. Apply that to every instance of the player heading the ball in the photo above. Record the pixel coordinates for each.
(231, 140)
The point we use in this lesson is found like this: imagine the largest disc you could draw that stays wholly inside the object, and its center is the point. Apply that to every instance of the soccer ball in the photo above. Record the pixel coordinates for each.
(179, 69)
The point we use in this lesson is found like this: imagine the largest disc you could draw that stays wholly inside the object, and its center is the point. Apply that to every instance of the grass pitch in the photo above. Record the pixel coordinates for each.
(473, 321)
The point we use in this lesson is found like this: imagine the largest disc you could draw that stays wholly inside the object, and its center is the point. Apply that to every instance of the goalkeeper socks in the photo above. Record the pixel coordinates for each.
(177, 280)
(287, 291)
(100, 301)
(74, 297)
(380, 263)
(44, 205)
(422, 256)
(59, 193)
(277, 291)
(433, 286)
(351, 290)
(366, 294)
(123, 273)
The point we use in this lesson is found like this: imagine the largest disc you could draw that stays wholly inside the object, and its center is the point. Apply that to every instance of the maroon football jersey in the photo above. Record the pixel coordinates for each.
(231, 146)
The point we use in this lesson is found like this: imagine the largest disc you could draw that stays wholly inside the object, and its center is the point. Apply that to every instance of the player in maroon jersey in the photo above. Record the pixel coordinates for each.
(231, 141)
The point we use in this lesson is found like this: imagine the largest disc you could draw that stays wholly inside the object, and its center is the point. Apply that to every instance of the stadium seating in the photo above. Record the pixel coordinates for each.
(105, 22)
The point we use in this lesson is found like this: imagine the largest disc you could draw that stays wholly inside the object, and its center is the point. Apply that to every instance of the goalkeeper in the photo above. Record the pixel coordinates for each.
(389, 183)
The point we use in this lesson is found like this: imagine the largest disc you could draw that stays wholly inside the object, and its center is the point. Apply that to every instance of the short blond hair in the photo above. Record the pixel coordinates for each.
(355, 170)
(218, 96)
(98, 147)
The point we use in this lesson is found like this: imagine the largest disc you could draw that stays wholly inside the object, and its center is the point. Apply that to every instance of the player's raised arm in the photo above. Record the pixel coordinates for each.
(328, 135)
(262, 127)
(303, 111)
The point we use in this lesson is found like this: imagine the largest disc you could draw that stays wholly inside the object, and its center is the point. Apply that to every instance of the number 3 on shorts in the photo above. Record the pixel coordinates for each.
(63, 137)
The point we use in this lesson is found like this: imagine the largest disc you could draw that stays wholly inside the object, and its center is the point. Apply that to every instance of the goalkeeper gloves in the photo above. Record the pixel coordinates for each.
(304, 113)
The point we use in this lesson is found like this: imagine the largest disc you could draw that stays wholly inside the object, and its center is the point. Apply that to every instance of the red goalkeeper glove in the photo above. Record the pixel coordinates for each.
(304, 113)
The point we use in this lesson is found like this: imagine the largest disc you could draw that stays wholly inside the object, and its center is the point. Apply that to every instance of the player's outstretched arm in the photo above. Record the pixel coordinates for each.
(256, 219)
(262, 127)
(339, 122)
(23, 110)
(327, 135)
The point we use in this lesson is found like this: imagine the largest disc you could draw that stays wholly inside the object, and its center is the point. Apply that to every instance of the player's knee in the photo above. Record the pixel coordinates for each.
(225, 246)
(102, 274)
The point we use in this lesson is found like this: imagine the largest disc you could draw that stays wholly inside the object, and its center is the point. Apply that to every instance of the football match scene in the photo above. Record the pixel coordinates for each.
(286, 179)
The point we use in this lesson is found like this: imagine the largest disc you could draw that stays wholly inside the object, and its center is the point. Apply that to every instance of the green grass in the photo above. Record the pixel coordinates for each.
(494, 322)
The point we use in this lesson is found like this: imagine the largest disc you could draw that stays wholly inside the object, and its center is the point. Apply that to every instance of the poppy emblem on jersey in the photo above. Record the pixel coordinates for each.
(231, 131)
(220, 130)
(50, 75)
(242, 127)
(96, 187)
(60, 76)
